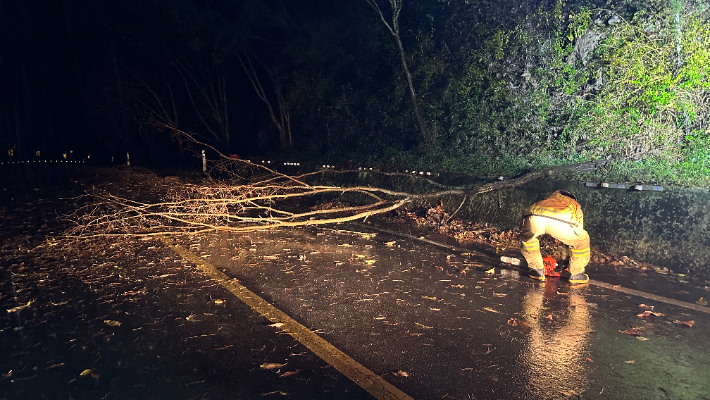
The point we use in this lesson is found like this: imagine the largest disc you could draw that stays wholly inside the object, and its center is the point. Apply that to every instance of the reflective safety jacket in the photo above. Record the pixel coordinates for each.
(560, 208)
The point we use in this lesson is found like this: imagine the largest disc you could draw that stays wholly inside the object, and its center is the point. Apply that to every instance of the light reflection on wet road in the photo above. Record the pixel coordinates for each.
(554, 353)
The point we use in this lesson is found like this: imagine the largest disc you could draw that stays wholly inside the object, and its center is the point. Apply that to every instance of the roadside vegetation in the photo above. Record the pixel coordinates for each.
(569, 84)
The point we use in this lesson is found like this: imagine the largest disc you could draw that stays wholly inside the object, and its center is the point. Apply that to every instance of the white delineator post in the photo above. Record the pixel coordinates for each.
(204, 162)
(128, 159)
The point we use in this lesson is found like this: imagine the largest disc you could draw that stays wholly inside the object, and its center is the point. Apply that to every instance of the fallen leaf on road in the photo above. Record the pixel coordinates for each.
(370, 262)
(642, 339)
(491, 310)
(401, 373)
(632, 332)
(282, 393)
(589, 359)
(491, 271)
(289, 373)
(422, 325)
(18, 308)
(271, 257)
(345, 245)
(645, 307)
(440, 268)
(86, 372)
(689, 324)
(517, 322)
(390, 244)
(272, 365)
(630, 362)
(550, 317)
(111, 322)
(649, 314)
(277, 325)
(701, 301)
(429, 297)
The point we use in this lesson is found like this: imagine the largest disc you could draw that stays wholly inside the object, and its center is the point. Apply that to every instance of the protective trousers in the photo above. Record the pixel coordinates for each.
(575, 237)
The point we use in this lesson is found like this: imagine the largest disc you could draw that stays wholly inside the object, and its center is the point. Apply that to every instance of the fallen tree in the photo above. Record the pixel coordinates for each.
(252, 197)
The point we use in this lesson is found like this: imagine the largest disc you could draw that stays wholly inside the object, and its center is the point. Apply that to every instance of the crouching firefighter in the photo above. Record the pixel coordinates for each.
(559, 216)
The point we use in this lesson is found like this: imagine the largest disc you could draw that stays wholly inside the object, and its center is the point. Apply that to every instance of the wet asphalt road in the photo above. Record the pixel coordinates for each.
(133, 320)
(442, 324)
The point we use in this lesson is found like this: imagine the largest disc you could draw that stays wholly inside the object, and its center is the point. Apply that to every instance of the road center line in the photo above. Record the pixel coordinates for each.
(353, 370)
(605, 285)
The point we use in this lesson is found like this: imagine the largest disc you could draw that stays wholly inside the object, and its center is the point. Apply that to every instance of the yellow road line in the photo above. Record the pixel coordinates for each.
(355, 371)
(651, 296)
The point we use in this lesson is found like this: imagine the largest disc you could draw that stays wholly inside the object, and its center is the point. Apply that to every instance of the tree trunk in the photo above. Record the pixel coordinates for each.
(420, 120)
(394, 30)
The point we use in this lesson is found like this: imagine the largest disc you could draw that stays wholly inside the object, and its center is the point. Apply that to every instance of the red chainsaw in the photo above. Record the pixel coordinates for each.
(552, 268)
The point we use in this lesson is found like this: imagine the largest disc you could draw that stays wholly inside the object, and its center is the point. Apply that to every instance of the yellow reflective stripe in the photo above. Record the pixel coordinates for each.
(531, 246)
(568, 211)
(580, 252)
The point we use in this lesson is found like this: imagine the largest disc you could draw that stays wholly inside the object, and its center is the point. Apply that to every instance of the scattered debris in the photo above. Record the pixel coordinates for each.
(701, 301)
(644, 307)
(649, 314)
(18, 308)
(111, 322)
(688, 324)
(632, 332)
(401, 373)
(272, 365)
(517, 322)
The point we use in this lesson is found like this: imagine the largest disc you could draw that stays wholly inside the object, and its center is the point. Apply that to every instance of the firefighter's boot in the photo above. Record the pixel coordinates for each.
(577, 279)
(538, 274)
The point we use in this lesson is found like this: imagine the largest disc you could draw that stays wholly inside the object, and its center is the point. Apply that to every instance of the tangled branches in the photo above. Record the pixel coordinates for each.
(251, 197)
(235, 204)
(197, 209)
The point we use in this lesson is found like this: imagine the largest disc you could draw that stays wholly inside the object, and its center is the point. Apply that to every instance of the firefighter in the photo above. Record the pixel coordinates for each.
(559, 216)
